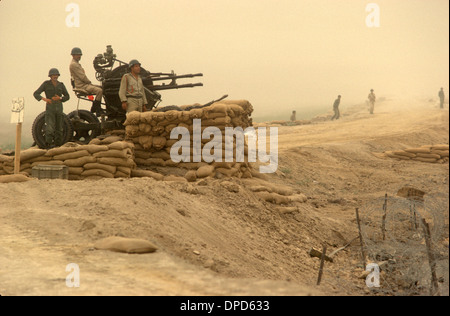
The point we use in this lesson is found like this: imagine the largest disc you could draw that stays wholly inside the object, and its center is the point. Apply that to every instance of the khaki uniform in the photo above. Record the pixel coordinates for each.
(372, 99)
(132, 91)
(82, 82)
(441, 98)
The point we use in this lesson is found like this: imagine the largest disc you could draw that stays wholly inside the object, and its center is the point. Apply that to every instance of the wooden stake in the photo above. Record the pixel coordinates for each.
(434, 289)
(18, 145)
(363, 254)
(322, 262)
(383, 224)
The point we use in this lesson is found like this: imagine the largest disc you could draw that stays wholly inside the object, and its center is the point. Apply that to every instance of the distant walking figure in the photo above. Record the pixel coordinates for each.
(336, 103)
(441, 97)
(372, 99)
(294, 116)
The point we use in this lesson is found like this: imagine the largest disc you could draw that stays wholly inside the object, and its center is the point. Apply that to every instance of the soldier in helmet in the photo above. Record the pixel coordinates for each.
(80, 81)
(372, 99)
(132, 92)
(55, 94)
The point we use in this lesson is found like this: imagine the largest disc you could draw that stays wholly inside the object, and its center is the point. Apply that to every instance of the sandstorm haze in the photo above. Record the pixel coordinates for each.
(280, 55)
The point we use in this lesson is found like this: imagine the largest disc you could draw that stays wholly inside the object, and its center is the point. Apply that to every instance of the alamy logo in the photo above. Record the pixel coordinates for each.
(373, 279)
(373, 19)
(73, 18)
(73, 278)
(223, 148)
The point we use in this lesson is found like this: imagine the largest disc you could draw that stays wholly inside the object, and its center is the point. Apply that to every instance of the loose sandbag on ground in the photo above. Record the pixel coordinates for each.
(139, 173)
(14, 178)
(205, 171)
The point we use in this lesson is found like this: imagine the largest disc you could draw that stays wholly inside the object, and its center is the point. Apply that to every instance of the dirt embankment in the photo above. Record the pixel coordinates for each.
(218, 237)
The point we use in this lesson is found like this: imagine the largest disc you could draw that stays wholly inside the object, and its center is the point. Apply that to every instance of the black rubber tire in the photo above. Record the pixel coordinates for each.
(38, 130)
(86, 117)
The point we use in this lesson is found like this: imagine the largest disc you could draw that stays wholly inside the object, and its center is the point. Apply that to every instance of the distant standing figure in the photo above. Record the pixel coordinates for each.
(336, 103)
(442, 97)
(55, 94)
(294, 116)
(372, 99)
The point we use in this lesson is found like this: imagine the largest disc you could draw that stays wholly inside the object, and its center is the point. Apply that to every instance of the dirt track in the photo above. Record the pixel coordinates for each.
(213, 240)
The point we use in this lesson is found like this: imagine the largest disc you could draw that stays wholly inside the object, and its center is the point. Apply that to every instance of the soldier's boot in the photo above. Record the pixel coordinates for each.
(97, 108)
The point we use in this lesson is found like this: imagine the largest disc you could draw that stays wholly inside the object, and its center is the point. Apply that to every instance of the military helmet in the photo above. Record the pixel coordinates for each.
(76, 51)
(53, 71)
(134, 62)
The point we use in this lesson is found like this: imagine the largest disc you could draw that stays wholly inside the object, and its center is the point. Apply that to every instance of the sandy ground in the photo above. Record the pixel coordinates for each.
(215, 239)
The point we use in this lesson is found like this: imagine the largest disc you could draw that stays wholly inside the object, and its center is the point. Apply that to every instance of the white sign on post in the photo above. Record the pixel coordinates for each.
(17, 110)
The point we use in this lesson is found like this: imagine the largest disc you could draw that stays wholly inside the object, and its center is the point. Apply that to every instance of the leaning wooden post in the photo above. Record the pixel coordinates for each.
(383, 224)
(17, 149)
(434, 289)
(363, 254)
(322, 262)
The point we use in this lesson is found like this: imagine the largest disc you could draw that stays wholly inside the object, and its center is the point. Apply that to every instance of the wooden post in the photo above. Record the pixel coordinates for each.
(383, 224)
(363, 254)
(434, 289)
(18, 145)
(322, 262)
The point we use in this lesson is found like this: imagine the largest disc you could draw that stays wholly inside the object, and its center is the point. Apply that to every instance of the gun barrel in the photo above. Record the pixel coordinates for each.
(171, 77)
(178, 86)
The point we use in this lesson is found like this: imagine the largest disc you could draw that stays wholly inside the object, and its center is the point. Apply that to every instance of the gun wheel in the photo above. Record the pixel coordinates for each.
(81, 132)
(39, 126)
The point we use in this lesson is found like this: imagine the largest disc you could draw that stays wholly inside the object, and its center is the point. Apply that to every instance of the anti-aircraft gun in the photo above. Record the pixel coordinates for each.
(82, 125)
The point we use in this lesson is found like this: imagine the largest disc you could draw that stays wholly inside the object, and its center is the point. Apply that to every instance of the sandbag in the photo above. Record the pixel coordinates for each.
(51, 163)
(440, 147)
(205, 171)
(121, 145)
(133, 118)
(116, 161)
(92, 149)
(79, 162)
(97, 172)
(139, 173)
(31, 154)
(111, 139)
(441, 153)
(112, 153)
(430, 160)
(96, 165)
(423, 150)
(191, 176)
(72, 155)
(403, 153)
(126, 245)
(228, 172)
(433, 156)
(14, 178)
(159, 142)
(59, 151)
(75, 171)
(273, 198)
(125, 170)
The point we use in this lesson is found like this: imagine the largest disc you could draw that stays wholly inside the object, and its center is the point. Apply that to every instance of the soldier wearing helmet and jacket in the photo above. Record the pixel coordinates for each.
(55, 94)
(81, 81)
(132, 91)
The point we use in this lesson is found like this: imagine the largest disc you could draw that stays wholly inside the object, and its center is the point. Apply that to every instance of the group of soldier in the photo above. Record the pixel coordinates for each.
(131, 94)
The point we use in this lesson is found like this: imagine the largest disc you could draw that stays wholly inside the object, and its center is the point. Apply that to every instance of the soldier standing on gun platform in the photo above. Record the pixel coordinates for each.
(55, 94)
(82, 82)
(337, 114)
(441, 98)
(132, 92)
(372, 99)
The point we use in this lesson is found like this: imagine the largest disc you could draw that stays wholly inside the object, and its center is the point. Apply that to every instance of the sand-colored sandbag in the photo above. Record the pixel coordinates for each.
(159, 142)
(172, 115)
(41, 159)
(404, 153)
(125, 170)
(173, 178)
(191, 176)
(24, 166)
(228, 172)
(121, 145)
(433, 156)
(223, 164)
(59, 151)
(7, 169)
(132, 130)
(143, 154)
(112, 153)
(273, 198)
(218, 107)
(92, 149)
(160, 154)
(76, 171)
(96, 165)
(423, 150)
(443, 147)
(97, 172)
(133, 118)
(31, 153)
(75, 177)
(116, 161)
(14, 178)
(392, 155)
(429, 160)
(260, 188)
(95, 141)
(126, 245)
(196, 114)
(150, 162)
(441, 153)
(139, 173)
(111, 139)
(50, 163)
(72, 155)
(79, 162)
(205, 171)
(4, 158)
(300, 198)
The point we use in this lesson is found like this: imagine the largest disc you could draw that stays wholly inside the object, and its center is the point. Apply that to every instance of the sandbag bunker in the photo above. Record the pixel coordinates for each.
(427, 153)
(145, 146)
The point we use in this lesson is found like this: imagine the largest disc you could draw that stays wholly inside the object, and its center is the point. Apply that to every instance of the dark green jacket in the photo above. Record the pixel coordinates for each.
(51, 90)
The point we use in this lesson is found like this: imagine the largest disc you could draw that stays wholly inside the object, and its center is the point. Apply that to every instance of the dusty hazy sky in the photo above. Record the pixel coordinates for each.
(278, 54)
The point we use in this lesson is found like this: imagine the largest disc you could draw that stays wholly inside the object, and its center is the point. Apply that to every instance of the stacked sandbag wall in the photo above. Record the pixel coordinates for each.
(107, 160)
(426, 153)
(150, 132)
